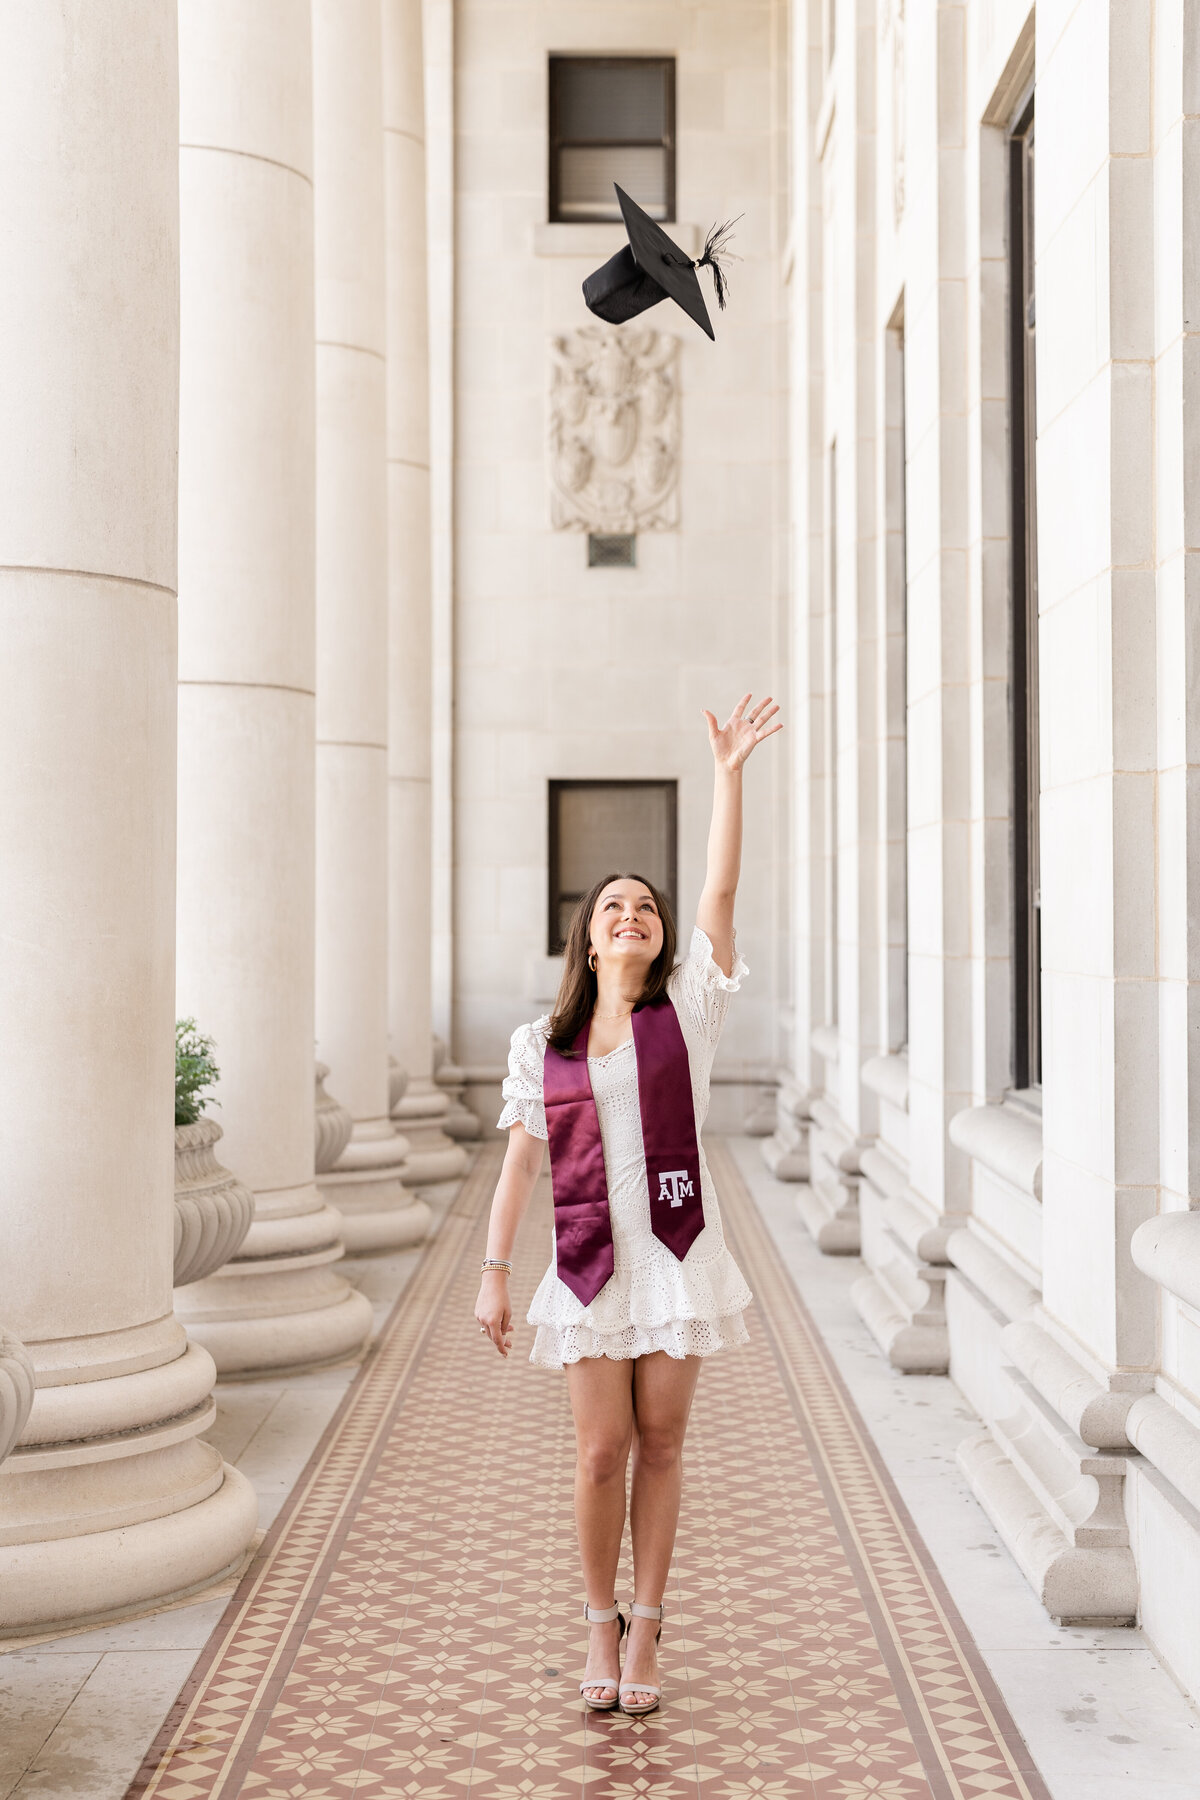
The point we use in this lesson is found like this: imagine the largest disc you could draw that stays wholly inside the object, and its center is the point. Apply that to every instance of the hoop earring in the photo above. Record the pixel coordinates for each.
(592, 961)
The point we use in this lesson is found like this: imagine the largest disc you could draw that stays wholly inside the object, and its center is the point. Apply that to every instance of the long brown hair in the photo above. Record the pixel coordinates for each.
(577, 990)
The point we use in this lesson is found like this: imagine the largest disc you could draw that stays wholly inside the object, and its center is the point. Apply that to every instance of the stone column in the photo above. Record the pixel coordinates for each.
(914, 1188)
(786, 1152)
(423, 1106)
(110, 1499)
(1163, 1486)
(1052, 1468)
(352, 624)
(247, 668)
(840, 794)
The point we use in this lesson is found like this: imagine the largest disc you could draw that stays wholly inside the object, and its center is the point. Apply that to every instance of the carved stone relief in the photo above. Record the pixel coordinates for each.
(614, 430)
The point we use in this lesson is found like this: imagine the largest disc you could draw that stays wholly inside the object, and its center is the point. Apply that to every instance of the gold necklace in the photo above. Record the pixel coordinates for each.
(613, 1016)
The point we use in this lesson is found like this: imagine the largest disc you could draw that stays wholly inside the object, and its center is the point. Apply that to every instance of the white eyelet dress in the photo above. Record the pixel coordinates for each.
(652, 1301)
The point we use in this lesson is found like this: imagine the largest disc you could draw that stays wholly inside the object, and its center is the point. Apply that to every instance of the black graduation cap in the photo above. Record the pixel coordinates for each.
(651, 267)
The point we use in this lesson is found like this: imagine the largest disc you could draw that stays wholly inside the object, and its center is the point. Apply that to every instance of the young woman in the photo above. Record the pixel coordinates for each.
(642, 1286)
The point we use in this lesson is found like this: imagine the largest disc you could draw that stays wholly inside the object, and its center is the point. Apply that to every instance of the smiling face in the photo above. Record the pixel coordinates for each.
(625, 927)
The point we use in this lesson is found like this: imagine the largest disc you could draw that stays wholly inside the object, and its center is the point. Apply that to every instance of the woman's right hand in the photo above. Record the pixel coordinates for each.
(493, 1309)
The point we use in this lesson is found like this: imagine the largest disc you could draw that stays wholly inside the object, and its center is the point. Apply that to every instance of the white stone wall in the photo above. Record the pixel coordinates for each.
(1040, 1246)
(564, 671)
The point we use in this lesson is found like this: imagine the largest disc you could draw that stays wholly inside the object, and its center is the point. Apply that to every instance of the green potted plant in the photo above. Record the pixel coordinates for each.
(195, 1071)
(213, 1209)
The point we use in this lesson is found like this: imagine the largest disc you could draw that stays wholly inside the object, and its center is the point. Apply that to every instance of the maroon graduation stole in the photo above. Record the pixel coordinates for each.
(582, 1228)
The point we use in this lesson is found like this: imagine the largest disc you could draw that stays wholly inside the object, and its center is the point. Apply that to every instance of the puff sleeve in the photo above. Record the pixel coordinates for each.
(702, 991)
(522, 1088)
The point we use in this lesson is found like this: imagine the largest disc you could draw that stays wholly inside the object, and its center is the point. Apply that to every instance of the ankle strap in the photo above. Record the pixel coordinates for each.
(649, 1612)
(596, 1615)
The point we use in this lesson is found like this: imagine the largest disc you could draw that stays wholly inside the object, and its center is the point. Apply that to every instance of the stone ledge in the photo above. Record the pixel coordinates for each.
(1097, 1415)
(825, 1041)
(883, 1171)
(1006, 1140)
(1002, 1286)
(1167, 1249)
(1078, 1585)
(913, 1337)
(887, 1076)
(1168, 1442)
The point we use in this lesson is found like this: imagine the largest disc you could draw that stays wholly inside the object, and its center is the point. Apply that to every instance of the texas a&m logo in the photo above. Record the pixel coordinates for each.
(679, 1188)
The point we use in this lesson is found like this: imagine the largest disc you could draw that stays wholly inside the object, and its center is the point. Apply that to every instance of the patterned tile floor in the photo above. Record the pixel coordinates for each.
(411, 1625)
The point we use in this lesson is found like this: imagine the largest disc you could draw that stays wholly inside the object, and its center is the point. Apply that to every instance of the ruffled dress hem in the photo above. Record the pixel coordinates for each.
(557, 1345)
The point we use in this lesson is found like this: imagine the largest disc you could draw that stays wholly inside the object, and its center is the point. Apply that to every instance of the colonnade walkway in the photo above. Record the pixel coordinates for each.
(411, 1624)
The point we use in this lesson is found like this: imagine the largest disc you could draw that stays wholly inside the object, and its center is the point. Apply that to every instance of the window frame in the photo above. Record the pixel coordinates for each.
(893, 685)
(556, 143)
(1024, 771)
(554, 894)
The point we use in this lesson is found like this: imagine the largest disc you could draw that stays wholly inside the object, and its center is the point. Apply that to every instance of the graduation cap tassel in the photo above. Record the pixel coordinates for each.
(715, 251)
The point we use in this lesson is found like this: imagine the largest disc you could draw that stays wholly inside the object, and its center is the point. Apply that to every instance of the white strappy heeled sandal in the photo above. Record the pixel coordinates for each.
(603, 1616)
(642, 1687)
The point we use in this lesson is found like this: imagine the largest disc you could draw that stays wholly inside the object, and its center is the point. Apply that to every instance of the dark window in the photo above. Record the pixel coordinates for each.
(895, 678)
(598, 826)
(611, 551)
(1023, 653)
(612, 118)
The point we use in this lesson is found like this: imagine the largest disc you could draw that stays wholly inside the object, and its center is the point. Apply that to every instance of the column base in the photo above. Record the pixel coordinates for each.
(459, 1122)
(106, 1573)
(832, 1221)
(421, 1114)
(112, 1500)
(378, 1211)
(1078, 1584)
(829, 1203)
(277, 1307)
(785, 1152)
(276, 1323)
(901, 1298)
(762, 1114)
(911, 1346)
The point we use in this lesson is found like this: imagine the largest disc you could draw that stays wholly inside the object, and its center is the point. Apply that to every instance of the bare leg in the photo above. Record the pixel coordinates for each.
(662, 1399)
(602, 1404)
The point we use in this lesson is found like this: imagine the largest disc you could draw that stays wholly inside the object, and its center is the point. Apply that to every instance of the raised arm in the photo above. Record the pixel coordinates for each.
(731, 745)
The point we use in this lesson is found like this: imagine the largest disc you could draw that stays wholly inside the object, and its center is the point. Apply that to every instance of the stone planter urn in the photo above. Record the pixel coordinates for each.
(16, 1390)
(334, 1124)
(213, 1209)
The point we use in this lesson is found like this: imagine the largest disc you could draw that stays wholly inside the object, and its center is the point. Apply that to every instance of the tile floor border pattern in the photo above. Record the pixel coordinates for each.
(954, 1710)
(266, 1617)
(388, 1641)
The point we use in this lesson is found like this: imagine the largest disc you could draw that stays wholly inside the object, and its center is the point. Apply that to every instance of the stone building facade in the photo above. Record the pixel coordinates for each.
(357, 587)
(991, 1089)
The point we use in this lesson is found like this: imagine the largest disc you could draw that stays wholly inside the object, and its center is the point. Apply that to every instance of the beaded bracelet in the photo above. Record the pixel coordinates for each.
(494, 1262)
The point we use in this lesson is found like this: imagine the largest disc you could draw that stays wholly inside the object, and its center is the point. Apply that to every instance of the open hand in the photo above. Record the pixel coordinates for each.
(733, 741)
